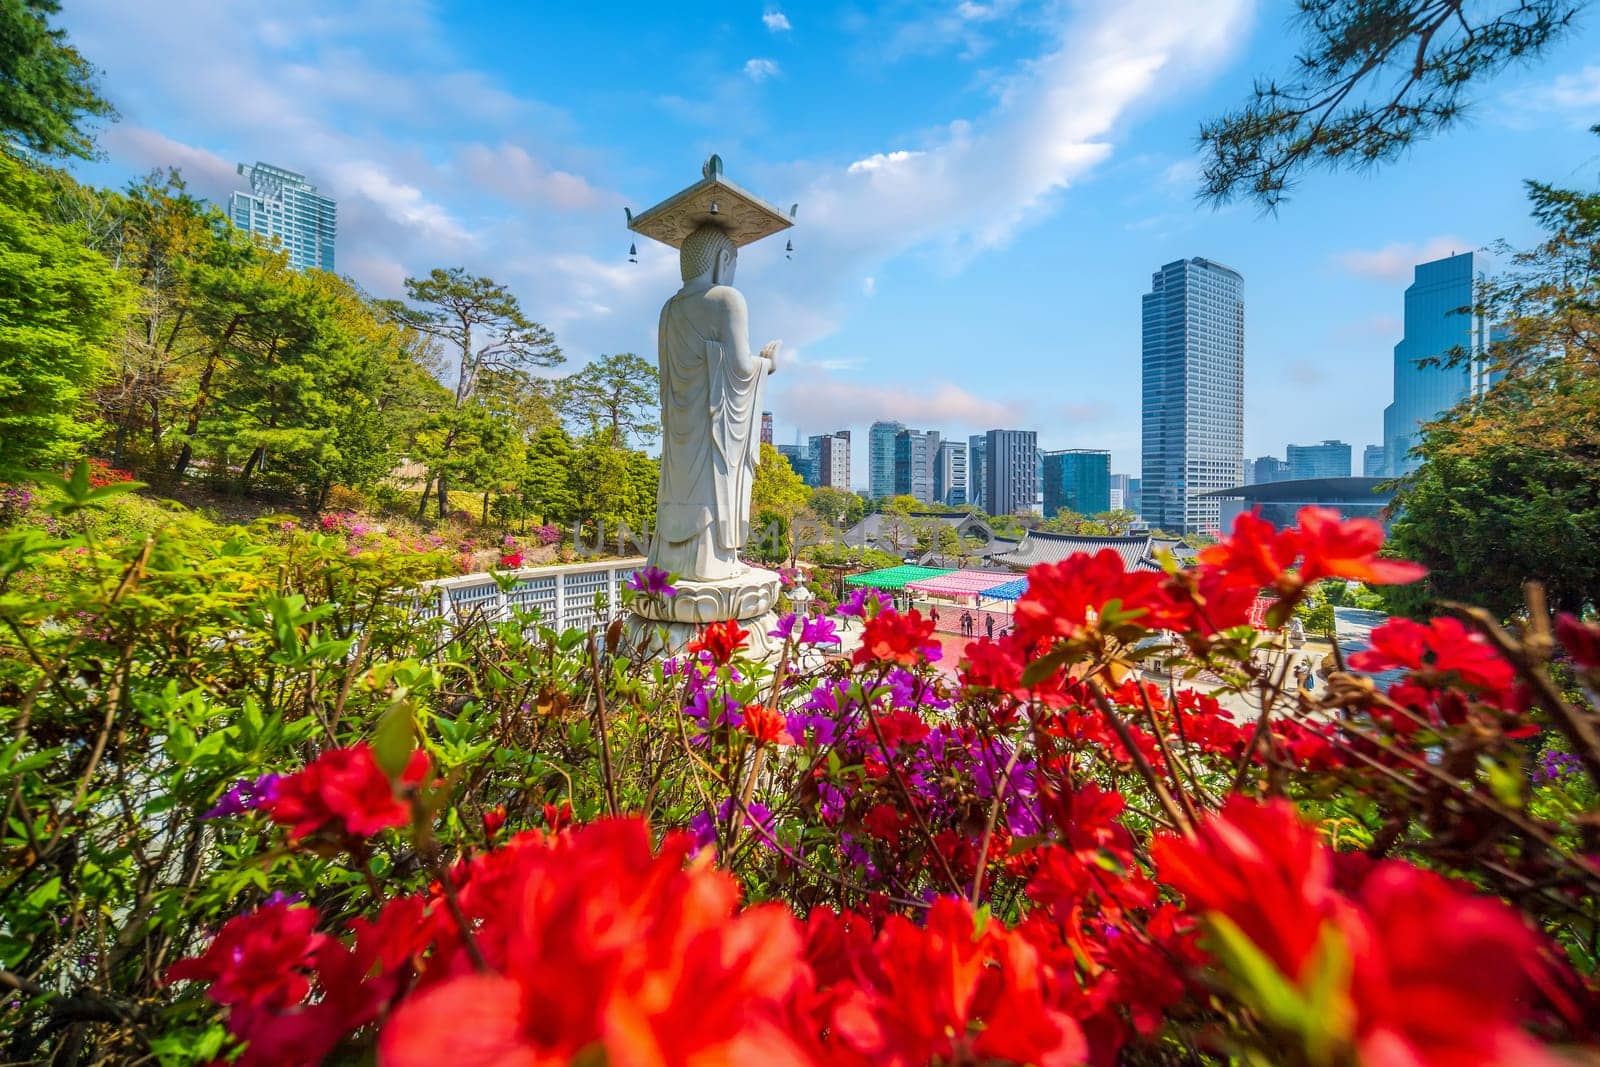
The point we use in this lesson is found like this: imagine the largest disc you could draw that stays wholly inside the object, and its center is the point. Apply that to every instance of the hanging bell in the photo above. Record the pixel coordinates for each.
(633, 253)
(788, 250)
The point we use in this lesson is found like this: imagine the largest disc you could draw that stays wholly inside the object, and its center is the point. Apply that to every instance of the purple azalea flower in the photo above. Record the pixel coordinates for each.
(245, 795)
(819, 631)
(785, 628)
(813, 730)
(705, 831)
(280, 897)
(864, 602)
(1554, 766)
(652, 581)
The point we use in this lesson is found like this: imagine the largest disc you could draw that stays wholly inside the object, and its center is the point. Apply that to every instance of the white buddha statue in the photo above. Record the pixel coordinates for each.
(711, 402)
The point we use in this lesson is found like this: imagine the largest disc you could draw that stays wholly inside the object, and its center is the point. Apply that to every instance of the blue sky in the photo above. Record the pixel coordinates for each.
(984, 188)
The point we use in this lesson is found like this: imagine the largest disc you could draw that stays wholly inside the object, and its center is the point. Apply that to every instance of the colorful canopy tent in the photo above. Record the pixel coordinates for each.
(962, 583)
(894, 579)
(1011, 590)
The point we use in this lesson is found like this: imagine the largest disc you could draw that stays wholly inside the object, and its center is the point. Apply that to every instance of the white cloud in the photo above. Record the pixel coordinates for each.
(869, 285)
(760, 69)
(881, 161)
(410, 163)
(776, 21)
(1573, 96)
(1393, 262)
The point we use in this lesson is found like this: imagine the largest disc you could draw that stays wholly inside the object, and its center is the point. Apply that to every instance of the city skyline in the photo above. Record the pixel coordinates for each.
(979, 206)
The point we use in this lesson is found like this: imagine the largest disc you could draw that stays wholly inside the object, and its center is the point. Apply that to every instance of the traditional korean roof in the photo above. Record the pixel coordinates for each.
(895, 578)
(960, 583)
(1041, 547)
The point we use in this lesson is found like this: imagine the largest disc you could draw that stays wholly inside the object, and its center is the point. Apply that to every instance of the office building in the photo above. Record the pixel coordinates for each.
(1330, 459)
(800, 461)
(950, 474)
(1011, 471)
(977, 460)
(830, 460)
(880, 458)
(766, 427)
(916, 453)
(1135, 498)
(1265, 469)
(1193, 393)
(287, 211)
(1077, 479)
(1119, 492)
(1436, 324)
(1373, 464)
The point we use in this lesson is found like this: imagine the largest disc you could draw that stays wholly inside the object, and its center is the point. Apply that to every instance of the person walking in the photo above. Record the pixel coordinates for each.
(966, 623)
(988, 625)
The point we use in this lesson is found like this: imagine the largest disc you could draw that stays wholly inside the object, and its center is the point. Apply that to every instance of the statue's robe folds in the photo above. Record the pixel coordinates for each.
(711, 398)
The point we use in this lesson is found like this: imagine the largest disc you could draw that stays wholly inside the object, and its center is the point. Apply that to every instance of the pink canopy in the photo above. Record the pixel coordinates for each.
(960, 583)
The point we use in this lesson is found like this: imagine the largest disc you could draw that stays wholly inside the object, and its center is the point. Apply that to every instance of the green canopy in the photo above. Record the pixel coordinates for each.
(895, 579)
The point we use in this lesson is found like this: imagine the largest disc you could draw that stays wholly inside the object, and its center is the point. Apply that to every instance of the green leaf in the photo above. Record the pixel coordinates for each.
(395, 738)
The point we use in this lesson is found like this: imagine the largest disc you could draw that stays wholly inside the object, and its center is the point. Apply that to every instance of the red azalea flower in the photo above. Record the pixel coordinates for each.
(1257, 555)
(721, 640)
(558, 818)
(1580, 639)
(766, 725)
(1260, 866)
(1442, 645)
(345, 790)
(1062, 597)
(596, 947)
(1336, 548)
(493, 820)
(1442, 974)
(258, 960)
(890, 637)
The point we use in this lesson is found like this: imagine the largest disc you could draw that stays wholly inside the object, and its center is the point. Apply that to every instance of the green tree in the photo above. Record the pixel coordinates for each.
(482, 325)
(1508, 489)
(621, 393)
(547, 477)
(837, 506)
(1373, 77)
(47, 89)
(776, 486)
(61, 305)
(612, 486)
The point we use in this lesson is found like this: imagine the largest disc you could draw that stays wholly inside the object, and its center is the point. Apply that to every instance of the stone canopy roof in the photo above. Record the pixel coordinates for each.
(1137, 551)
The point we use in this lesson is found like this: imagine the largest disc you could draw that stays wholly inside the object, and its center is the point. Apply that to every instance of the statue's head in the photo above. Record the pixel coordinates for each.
(709, 250)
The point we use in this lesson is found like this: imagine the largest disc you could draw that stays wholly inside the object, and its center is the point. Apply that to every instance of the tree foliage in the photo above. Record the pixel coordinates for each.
(47, 89)
(60, 307)
(1372, 78)
(620, 393)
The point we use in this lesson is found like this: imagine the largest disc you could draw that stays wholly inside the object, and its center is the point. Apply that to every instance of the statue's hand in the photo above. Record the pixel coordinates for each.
(770, 354)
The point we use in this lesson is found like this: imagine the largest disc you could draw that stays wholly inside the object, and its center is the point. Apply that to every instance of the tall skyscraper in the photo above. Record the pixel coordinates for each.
(1077, 479)
(1011, 471)
(1330, 459)
(1373, 464)
(950, 474)
(880, 458)
(1435, 324)
(916, 453)
(1193, 426)
(977, 464)
(766, 427)
(830, 458)
(284, 208)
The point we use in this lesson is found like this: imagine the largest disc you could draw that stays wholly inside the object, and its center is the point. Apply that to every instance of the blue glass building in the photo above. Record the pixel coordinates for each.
(1330, 459)
(1078, 479)
(287, 211)
(880, 457)
(1193, 403)
(1438, 319)
(977, 461)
